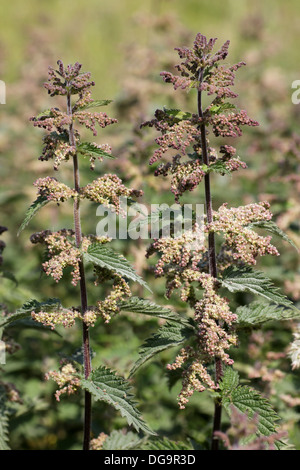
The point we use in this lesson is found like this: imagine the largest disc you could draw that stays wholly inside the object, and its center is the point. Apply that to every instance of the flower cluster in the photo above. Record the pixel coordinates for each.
(66, 379)
(107, 190)
(235, 224)
(97, 442)
(189, 269)
(109, 307)
(63, 252)
(212, 315)
(57, 147)
(50, 188)
(63, 316)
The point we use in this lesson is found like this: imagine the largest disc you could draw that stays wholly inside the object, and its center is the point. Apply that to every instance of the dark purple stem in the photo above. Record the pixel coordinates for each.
(83, 291)
(211, 257)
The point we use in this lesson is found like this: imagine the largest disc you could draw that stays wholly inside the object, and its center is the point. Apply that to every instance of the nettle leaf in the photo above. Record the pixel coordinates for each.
(118, 440)
(90, 149)
(100, 255)
(273, 228)
(168, 336)
(252, 403)
(165, 444)
(3, 421)
(258, 312)
(249, 401)
(220, 108)
(217, 167)
(247, 280)
(178, 114)
(105, 385)
(230, 380)
(94, 104)
(40, 202)
(147, 307)
(26, 309)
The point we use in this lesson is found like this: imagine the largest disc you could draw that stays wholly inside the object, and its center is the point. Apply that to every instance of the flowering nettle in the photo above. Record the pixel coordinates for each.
(68, 248)
(185, 268)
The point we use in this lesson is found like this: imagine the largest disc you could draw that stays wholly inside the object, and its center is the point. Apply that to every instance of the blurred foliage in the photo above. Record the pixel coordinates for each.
(125, 45)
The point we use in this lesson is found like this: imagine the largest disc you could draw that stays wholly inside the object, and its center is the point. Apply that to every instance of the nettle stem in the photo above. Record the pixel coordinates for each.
(211, 256)
(83, 290)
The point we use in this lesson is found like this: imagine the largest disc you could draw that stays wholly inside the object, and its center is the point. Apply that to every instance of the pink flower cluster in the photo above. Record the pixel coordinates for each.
(214, 322)
(244, 243)
(66, 379)
(107, 190)
(62, 252)
(50, 188)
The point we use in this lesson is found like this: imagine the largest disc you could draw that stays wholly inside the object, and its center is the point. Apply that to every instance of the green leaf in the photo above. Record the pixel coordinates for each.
(94, 104)
(247, 280)
(88, 148)
(220, 108)
(271, 227)
(168, 336)
(146, 307)
(118, 440)
(105, 257)
(217, 167)
(165, 444)
(259, 312)
(177, 114)
(105, 385)
(40, 202)
(252, 403)
(230, 380)
(3, 421)
(28, 307)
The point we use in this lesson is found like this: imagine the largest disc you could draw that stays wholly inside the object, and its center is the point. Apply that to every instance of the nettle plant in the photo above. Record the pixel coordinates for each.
(225, 261)
(69, 250)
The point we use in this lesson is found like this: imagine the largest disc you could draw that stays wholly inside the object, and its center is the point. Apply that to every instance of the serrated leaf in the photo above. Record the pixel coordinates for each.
(105, 385)
(88, 148)
(247, 280)
(177, 114)
(230, 380)
(251, 402)
(26, 309)
(147, 307)
(258, 312)
(273, 228)
(168, 336)
(94, 104)
(105, 257)
(40, 202)
(118, 440)
(220, 108)
(217, 167)
(165, 444)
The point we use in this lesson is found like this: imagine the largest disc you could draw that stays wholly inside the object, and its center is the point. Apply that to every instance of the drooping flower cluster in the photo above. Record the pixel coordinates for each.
(63, 252)
(185, 267)
(235, 224)
(66, 379)
(97, 442)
